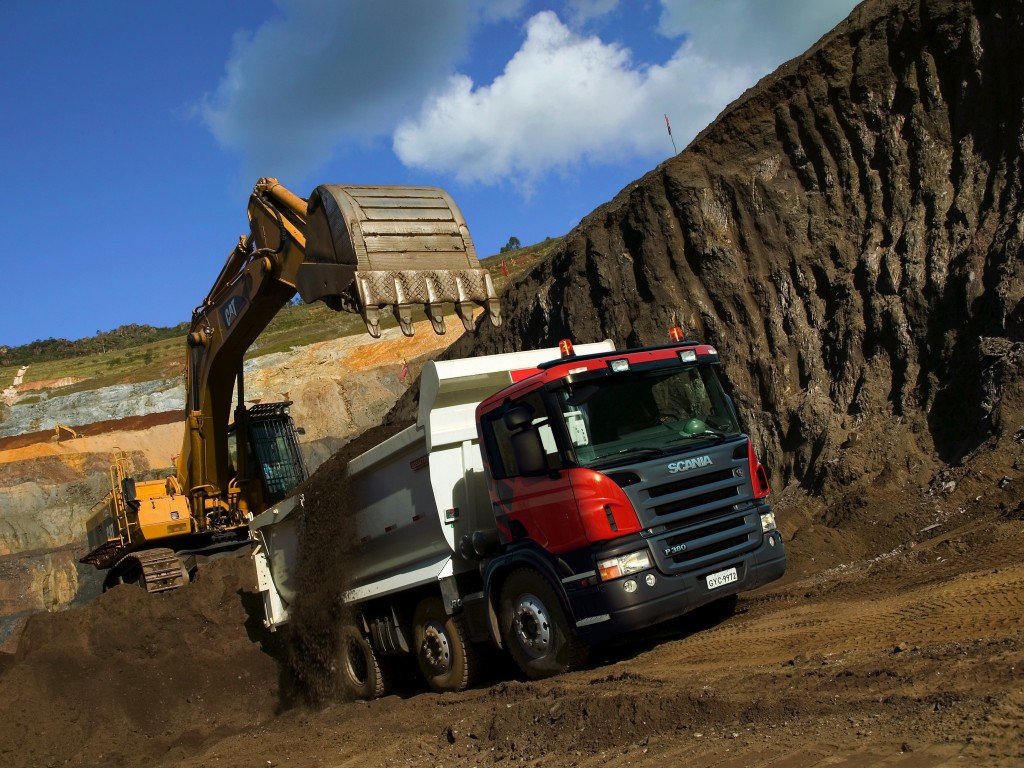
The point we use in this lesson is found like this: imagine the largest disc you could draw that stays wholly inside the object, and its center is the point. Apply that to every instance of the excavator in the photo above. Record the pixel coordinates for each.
(359, 249)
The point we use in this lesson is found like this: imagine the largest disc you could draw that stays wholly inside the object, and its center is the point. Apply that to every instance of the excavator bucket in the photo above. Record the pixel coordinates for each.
(373, 247)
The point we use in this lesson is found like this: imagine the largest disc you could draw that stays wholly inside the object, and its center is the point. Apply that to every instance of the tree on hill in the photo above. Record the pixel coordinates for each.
(512, 245)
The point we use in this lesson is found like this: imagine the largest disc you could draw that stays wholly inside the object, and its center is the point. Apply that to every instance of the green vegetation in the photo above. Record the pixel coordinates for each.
(134, 353)
(125, 337)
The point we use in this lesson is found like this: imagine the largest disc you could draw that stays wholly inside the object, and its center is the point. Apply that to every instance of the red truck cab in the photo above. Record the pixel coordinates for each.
(625, 493)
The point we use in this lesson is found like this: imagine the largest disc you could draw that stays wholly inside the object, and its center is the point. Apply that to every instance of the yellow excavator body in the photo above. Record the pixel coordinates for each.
(361, 249)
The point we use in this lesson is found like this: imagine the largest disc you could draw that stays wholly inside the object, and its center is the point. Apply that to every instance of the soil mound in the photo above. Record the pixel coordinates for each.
(134, 677)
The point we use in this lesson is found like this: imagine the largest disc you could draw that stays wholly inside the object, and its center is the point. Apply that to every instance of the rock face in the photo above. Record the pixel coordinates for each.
(339, 389)
(115, 402)
(848, 234)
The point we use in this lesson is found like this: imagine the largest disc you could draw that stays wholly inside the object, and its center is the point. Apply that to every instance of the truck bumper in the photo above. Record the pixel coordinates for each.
(649, 597)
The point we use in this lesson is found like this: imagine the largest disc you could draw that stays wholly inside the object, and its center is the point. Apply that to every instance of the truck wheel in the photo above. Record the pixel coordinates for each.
(447, 659)
(535, 628)
(362, 676)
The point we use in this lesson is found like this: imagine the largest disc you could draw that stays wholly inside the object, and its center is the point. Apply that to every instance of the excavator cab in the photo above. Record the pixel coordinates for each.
(275, 450)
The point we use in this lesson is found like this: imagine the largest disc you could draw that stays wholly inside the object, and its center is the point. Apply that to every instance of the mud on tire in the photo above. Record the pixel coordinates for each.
(534, 627)
(447, 659)
(360, 672)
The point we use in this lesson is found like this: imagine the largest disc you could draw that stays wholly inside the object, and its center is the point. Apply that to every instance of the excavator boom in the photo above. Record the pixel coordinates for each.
(361, 249)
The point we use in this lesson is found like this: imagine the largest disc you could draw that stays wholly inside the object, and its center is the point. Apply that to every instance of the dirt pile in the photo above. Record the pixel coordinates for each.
(136, 677)
(911, 658)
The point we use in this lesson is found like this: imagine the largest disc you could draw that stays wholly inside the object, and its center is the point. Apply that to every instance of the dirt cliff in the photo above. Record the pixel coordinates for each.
(848, 234)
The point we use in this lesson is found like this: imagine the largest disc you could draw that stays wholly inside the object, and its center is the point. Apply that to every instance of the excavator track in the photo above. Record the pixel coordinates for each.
(155, 570)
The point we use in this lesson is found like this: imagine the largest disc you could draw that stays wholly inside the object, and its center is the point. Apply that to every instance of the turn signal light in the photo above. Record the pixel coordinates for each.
(565, 347)
(675, 333)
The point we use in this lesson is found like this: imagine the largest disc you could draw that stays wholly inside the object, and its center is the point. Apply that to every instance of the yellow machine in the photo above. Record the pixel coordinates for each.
(135, 515)
(358, 249)
(64, 431)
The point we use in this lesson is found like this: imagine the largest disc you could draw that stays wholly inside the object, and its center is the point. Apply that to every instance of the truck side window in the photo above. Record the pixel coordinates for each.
(504, 463)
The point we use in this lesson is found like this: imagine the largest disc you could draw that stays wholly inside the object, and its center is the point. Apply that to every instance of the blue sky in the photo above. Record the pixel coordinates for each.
(133, 132)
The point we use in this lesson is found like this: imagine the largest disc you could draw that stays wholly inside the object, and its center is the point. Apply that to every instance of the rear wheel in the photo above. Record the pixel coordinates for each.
(361, 673)
(447, 659)
(535, 629)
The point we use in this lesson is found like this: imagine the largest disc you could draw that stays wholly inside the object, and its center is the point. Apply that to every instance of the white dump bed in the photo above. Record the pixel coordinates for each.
(416, 493)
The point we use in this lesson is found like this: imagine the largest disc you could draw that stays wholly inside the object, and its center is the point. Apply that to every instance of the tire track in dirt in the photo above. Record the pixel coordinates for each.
(964, 608)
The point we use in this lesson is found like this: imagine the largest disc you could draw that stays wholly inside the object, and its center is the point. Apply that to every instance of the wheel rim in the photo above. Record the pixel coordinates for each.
(436, 649)
(531, 626)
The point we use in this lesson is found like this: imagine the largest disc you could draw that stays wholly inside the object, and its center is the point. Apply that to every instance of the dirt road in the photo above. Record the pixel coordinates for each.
(912, 659)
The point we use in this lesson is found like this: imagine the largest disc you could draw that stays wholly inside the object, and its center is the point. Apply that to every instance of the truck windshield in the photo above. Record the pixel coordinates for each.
(645, 413)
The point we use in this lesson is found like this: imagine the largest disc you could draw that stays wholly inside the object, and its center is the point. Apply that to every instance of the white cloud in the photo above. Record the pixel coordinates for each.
(501, 10)
(563, 99)
(324, 72)
(582, 11)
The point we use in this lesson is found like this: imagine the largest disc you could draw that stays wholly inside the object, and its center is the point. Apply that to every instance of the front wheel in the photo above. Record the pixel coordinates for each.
(535, 629)
(447, 659)
(361, 673)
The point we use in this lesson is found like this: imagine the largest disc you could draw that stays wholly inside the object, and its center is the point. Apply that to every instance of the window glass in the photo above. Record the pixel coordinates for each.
(652, 410)
(504, 463)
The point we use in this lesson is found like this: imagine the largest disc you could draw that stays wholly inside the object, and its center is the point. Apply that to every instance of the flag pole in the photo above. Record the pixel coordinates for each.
(668, 125)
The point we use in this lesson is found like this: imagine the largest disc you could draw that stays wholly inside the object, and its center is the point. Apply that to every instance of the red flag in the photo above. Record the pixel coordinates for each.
(405, 371)
(504, 269)
(668, 125)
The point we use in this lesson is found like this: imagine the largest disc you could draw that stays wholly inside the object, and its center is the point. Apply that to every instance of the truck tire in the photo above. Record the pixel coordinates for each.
(535, 629)
(447, 659)
(361, 673)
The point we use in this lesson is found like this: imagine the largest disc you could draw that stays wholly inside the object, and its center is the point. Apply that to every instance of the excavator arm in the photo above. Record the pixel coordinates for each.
(358, 249)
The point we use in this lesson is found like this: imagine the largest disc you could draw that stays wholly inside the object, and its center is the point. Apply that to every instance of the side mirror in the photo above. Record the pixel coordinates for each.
(529, 452)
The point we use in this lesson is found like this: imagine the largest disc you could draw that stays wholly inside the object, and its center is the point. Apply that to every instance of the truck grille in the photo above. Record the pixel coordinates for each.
(704, 518)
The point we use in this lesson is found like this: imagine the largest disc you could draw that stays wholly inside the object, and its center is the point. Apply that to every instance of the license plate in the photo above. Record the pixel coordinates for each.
(720, 579)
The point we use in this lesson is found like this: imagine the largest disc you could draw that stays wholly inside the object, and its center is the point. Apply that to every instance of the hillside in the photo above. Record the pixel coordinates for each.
(136, 353)
(848, 235)
(131, 397)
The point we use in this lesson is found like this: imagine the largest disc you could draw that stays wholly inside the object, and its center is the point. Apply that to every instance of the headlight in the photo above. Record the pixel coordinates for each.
(621, 566)
(768, 522)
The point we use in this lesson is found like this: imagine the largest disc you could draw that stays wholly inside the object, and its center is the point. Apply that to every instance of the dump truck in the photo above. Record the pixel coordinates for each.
(543, 502)
(360, 249)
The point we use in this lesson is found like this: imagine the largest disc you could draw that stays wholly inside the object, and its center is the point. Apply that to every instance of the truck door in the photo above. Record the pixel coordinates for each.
(533, 496)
